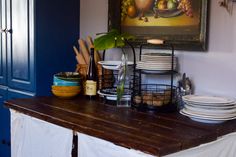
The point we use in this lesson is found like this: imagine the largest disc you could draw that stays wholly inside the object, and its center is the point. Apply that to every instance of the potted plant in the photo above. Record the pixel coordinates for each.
(115, 39)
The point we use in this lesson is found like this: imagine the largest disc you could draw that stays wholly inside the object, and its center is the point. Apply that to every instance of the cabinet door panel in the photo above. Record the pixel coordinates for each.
(4, 125)
(2, 42)
(20, 51)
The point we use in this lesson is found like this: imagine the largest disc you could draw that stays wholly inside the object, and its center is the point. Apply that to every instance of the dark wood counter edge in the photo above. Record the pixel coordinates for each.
(79, 128)
(215, 131)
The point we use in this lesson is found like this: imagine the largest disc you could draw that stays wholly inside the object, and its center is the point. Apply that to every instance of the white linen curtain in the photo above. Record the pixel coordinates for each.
(89, 146)
(223, 147)
(31, 137)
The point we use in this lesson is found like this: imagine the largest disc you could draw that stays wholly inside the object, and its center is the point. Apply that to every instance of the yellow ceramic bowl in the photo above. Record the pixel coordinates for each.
(66, 88)
(65, 94)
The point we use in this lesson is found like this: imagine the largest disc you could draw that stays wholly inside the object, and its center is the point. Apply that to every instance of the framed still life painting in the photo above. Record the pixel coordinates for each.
(182, 23)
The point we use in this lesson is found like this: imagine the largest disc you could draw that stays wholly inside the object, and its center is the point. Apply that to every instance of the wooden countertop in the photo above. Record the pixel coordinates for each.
(156, 134)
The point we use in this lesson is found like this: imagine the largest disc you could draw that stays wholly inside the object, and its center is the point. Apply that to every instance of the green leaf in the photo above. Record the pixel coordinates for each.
(111, 39)
(120, 41)
(128, 36)
(120, 90)
(104, 42)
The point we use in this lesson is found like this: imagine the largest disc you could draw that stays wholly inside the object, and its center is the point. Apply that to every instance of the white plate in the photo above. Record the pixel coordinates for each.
(155, 71)
(114, 98)
(157, 61)
(111, 95)
(155, 68)
(161, 69)
(212, 107)
(207, 116)
(156, 57)
(156, 54)
(160, 58)
(206, 120)
(211, 111)
(155, 64)
(207, 99)
(145, 59)
(113, 65)
(197, 119)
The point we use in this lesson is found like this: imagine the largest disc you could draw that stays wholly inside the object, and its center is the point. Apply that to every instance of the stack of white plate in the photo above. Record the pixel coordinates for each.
(156, 61)
(209, 109)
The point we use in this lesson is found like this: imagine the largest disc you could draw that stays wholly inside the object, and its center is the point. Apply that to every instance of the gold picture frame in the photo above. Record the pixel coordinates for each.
(186, 31)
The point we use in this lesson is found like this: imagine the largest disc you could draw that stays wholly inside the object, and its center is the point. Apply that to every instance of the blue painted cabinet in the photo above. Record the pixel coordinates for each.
(36, 42)
(4, 125)
(20, 45)
(3, 70)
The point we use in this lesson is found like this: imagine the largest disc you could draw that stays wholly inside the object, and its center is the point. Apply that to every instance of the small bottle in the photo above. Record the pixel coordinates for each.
(91, 80)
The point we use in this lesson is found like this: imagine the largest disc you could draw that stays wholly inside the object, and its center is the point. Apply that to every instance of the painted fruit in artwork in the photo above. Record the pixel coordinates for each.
(162, 4)
(131, 11)
(144, 5)
(171, 5)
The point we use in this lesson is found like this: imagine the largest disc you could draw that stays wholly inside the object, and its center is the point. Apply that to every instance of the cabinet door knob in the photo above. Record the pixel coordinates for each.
(8, 31)
(3, 30)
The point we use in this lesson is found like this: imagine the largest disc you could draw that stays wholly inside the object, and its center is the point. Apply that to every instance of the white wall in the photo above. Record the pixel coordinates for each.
(213, 72)
(93, 17)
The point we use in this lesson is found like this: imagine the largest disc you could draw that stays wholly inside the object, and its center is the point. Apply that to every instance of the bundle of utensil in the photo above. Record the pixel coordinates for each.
(82, 55)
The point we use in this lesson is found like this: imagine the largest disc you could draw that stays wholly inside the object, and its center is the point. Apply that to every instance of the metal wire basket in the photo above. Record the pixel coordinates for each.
(155, 96)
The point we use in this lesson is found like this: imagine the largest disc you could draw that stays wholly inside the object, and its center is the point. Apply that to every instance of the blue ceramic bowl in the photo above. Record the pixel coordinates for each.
(66, 79)
(66, 84)
(58, 80)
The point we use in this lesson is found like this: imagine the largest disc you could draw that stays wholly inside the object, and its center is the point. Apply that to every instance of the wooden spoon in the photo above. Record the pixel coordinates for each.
(84, 50)
(79, 57)
(97, 56)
